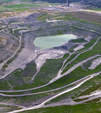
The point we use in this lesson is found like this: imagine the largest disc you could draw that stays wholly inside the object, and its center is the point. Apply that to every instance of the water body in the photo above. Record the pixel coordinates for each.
(53, 41)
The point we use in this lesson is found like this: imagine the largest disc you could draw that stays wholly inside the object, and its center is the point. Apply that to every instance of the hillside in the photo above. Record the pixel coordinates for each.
(50, 56)
(95, 3)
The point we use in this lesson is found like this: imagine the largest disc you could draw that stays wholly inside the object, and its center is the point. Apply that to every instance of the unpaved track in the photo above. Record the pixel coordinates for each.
(77, 65)
(55, 79)
(59, 94)
(21, 95)
(59, 76)
(13, 54)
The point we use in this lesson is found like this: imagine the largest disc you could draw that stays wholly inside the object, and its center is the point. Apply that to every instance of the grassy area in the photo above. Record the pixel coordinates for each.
(79, 40)
(95, 9)
(81, 108)
(91, 89)
(76, 92)
(91, 17)
(90, 44)
(3, 9)
(83, 16)
(20, 79)
(87, 54)
(87, 64)
(4, 85)
(69, 59)
(47, 72)
(44, 16)
(21, 5)
(35, 98)
(21, 9)
(75, 75)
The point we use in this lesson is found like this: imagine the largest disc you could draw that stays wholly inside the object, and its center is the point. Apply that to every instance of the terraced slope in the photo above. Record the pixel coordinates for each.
(31, 78)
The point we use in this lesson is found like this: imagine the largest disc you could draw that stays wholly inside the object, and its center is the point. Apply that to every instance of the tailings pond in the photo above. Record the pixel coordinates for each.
(53, 41)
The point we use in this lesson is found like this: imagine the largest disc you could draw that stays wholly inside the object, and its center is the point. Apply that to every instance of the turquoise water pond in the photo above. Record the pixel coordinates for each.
(53, 41)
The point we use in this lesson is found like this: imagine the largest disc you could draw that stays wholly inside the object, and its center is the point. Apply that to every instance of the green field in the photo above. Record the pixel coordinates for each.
(21, 5)
(81, 108)
(3, 9)
(21, 9)
(96, 9)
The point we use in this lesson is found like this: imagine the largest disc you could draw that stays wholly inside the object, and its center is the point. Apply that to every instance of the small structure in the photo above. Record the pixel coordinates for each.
(67, 2)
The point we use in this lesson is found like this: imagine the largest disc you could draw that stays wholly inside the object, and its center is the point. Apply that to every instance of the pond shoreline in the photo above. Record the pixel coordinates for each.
(47, 42)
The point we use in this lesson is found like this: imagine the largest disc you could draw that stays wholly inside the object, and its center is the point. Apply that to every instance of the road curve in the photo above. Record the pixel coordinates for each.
(53, 80)
(66, 91)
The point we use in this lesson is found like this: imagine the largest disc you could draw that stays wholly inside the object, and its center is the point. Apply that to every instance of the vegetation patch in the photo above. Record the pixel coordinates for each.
(81, 108)
(21, 5)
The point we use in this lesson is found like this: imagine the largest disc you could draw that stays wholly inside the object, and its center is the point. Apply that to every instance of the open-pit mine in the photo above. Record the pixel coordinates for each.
(50, 61)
